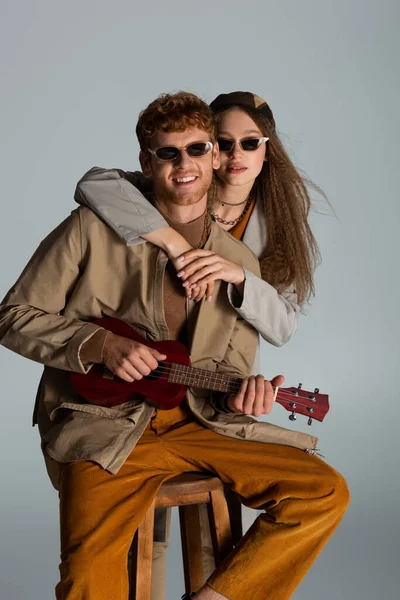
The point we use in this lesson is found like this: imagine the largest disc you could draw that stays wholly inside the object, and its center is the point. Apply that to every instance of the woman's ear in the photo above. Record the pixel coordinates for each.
(145, 163)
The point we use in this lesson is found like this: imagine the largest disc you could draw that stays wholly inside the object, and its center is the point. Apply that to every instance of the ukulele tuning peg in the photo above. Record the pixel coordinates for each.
(292, 417)
(316, 391)
(300, 386)
(309, 422)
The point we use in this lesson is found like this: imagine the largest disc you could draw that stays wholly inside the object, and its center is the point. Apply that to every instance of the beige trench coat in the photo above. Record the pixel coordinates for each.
(82, 271)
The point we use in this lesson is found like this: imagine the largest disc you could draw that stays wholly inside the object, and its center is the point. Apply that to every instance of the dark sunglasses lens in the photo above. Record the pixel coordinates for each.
(167, 153)
(199, 149)
(225, 145)
(250, 144)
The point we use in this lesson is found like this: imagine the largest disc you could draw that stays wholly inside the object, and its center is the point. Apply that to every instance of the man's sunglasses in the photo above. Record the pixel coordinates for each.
(248, 145)
(171, 153)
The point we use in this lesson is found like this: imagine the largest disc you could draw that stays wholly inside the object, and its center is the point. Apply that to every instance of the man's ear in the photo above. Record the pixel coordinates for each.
(145, 163)
(216, 158)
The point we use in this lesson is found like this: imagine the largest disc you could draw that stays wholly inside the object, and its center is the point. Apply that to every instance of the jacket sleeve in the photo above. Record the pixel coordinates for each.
(114, 196)
(272, 314)
(31, 315)
(238, 360)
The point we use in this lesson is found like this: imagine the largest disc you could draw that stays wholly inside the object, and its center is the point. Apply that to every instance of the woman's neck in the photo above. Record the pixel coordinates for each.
(233, 194)
(236, 198)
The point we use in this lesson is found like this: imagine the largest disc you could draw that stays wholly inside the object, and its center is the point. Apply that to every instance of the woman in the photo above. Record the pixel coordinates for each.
(260, 198)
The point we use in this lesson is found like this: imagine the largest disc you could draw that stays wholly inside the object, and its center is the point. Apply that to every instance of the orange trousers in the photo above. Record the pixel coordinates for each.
(303, 500)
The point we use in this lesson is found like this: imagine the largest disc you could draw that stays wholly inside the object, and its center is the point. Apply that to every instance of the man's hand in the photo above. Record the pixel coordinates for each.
(128, 359)
(201, 268)
(256, 395)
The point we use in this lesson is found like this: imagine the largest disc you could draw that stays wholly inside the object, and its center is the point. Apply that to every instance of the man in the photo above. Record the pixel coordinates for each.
(108, 463)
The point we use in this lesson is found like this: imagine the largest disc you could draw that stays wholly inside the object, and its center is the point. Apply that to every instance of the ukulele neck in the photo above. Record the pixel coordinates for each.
(201, 378)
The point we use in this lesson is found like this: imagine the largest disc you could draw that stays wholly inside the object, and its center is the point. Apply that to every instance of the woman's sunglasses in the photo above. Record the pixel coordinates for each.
(248, 145)
(171, 153)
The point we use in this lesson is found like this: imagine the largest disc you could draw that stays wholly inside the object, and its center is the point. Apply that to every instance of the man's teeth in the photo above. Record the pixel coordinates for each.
(185, 179)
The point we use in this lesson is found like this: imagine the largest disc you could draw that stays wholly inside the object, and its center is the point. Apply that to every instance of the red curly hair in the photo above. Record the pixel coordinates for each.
(174, 112)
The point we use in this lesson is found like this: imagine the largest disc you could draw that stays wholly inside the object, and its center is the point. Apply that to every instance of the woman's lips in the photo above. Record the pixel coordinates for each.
(237, 169)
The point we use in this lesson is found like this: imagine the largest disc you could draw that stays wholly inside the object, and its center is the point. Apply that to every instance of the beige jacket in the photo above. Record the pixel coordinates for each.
(82, 271)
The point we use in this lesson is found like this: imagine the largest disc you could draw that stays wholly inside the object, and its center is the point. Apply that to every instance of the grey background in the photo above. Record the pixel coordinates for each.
(74, 77)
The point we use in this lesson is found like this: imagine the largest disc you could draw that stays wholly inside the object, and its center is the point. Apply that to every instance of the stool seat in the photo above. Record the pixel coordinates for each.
(189, 483)
(189, 492)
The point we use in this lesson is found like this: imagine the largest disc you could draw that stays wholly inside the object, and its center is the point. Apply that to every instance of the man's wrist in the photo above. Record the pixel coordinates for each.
(92, 350)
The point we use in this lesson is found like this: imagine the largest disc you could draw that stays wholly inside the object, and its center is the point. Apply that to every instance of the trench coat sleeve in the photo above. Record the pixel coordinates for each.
(116, 197)
(273, 315)
(31, 319)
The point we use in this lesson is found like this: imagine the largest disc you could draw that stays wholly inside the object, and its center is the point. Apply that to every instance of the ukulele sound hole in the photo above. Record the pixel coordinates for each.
(157, 373)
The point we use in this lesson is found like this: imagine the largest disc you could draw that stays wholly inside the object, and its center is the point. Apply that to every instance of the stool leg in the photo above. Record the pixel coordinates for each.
(220, 525)
(141, 558)
(235, 514)
(189, 519)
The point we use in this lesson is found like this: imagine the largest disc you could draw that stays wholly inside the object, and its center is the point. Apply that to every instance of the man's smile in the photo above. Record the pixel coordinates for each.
(184, 181)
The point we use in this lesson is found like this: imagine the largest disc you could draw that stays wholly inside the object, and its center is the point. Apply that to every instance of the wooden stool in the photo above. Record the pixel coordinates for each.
(187, 491)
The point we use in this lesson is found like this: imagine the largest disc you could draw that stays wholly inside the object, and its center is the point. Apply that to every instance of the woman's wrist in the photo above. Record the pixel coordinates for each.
(240, 288)
(168, 240)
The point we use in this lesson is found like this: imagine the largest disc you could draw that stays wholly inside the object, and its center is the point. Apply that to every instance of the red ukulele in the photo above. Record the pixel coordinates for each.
(166, 386)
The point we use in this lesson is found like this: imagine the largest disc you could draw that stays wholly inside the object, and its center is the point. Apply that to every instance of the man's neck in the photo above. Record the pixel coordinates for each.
(181, 214)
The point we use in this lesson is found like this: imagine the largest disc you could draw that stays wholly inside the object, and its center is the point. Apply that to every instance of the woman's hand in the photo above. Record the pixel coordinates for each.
(199, 269)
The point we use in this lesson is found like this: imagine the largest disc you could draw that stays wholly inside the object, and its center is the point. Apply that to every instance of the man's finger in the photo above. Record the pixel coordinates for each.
(278, 380)
(249, 396)
(144, 360)
(157, 355)
(140, 364)
(258, 404)
(235, 402)
(268, 397)
(198, 292)
(201, 292)
(210, 290)
(127, 373)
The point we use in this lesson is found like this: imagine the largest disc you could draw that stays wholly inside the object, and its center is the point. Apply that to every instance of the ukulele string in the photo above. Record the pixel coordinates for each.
(231, 387)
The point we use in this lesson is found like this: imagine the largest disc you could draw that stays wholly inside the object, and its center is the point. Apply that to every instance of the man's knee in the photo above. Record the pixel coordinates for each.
(342, 492)
(339, 491)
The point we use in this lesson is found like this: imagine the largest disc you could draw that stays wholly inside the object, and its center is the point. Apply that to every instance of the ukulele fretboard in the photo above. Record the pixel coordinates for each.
(201, 378)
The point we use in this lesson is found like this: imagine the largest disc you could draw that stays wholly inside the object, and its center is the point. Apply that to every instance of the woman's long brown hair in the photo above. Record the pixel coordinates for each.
(292, 254)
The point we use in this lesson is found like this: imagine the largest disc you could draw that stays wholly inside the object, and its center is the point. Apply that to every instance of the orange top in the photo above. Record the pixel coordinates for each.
(238, 230)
